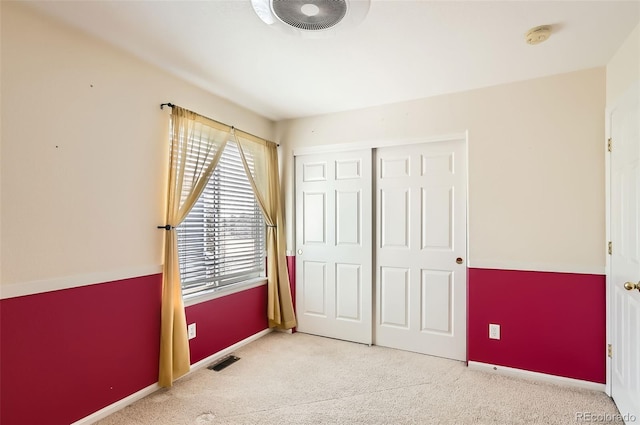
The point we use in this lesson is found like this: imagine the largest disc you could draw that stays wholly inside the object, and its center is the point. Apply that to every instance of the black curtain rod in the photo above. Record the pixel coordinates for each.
(171, 105)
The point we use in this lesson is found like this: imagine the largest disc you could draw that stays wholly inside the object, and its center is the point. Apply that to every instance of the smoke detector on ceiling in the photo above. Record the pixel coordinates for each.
(311, 18)
(539, 34)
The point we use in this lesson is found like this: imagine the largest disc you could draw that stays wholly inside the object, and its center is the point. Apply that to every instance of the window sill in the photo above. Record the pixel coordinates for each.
(212, 294)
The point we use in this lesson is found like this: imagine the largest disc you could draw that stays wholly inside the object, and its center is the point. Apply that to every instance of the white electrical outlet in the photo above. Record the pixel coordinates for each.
(494, 331)
(191, 329)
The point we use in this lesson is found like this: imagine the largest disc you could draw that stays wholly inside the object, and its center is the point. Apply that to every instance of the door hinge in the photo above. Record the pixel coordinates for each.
(610, 351)
(610, 248)
(609, 144)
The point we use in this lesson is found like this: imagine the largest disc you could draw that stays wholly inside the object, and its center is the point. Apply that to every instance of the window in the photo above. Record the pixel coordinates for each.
(221, 241)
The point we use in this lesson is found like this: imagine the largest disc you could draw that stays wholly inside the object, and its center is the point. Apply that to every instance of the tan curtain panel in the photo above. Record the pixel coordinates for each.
(204, 139)
(265, 182)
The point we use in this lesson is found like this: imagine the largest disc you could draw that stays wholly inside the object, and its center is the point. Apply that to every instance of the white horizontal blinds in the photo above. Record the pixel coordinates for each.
(222, 239)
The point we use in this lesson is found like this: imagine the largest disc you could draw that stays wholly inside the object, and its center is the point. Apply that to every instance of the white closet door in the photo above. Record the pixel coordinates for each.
(333, 245)
(421, 287)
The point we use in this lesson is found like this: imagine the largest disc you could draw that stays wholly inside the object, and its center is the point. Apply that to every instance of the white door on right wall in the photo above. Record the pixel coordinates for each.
(624, 278)
(421, 285)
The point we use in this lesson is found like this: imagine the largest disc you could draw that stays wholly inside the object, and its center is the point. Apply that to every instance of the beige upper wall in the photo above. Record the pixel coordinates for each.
(91, 205)
(624, 68)
(84, 150)
(536, 164)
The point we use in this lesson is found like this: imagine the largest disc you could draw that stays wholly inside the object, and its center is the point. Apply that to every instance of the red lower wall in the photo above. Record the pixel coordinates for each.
(553, 323)
(73, 352)
(224, 321)
(67, 354)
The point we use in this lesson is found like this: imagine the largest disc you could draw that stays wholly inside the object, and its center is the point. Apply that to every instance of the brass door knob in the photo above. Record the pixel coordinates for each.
(630, 286)
(459, 260)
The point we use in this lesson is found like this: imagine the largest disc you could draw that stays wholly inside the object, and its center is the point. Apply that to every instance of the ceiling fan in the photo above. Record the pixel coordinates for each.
(311, 18)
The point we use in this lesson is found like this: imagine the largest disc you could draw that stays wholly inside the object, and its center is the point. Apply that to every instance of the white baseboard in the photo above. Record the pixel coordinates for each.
(121, 404)
(536, 376)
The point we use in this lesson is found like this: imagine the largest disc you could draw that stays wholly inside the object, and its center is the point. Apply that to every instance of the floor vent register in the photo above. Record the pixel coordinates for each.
(227, 361)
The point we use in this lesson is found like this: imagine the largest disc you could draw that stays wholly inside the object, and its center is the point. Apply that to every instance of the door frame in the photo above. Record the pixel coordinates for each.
(374, 144)
(632, 90)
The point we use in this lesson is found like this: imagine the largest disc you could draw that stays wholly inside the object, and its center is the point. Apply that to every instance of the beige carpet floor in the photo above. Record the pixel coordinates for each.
(303, 379)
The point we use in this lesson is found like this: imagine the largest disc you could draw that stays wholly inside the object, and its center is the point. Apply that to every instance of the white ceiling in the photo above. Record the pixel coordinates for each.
(402, 50)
